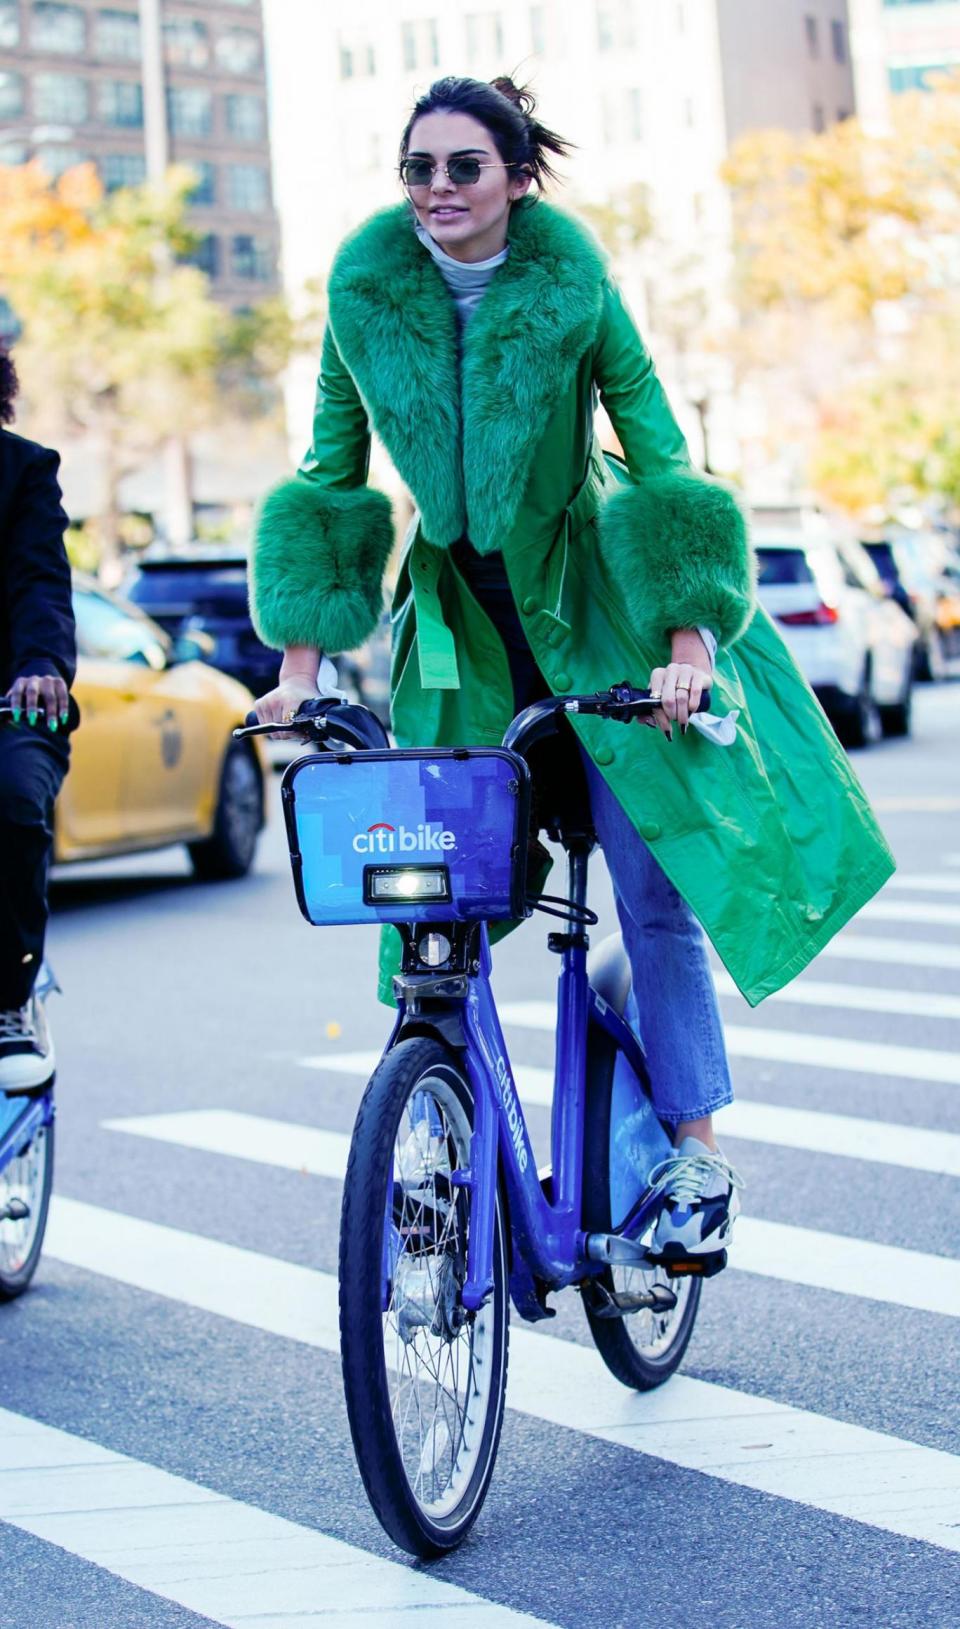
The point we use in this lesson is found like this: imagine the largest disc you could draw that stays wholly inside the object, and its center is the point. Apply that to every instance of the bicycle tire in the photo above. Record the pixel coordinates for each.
(16, 1273)
(378, 1173)
(641, 1365)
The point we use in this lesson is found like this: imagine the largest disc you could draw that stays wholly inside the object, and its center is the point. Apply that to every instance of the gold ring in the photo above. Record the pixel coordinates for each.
(654, 697)
(289, 715)
(681, 687)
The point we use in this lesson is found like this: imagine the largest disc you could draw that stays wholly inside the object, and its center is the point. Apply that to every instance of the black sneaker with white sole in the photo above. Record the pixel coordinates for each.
(26, 1048)
(700, 1204)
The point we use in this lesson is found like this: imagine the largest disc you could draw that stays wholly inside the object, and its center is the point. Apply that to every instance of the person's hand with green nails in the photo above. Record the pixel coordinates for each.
(43, 697)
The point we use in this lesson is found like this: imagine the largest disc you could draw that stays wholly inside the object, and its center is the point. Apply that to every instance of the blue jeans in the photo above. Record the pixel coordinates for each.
(676, 1000)
(672, 983)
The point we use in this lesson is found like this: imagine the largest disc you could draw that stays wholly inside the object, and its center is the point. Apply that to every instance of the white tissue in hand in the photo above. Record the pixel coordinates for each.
(328, 680)
(721, 731)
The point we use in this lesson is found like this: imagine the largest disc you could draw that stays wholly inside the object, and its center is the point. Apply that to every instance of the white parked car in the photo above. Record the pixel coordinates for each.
(852, 642)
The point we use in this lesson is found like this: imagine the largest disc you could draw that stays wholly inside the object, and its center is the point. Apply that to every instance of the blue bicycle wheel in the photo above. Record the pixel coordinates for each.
(26, 1182)
(424, 1378)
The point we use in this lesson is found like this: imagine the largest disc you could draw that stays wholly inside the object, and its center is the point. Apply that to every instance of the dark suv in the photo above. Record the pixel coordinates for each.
(206, 591)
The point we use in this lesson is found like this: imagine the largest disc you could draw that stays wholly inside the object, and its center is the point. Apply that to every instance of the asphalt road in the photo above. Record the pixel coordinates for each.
(810, 1477)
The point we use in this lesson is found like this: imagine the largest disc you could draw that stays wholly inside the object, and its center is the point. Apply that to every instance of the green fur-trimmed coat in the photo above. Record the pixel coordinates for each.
(770, 840)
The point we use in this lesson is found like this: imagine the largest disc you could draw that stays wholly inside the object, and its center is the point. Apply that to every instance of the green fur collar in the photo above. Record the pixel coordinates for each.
(394, 324)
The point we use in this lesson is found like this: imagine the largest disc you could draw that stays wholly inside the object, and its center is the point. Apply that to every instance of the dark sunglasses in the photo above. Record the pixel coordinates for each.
(460, 172)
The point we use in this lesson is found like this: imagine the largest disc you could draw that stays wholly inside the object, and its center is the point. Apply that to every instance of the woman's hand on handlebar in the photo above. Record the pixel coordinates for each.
(279, 705)
(681, 683)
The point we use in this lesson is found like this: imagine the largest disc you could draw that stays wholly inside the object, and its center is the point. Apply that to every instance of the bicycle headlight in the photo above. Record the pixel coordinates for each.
(385, 884)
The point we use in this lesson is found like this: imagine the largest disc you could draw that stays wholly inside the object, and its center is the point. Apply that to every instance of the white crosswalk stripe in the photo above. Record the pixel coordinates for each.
(754, 1442)
(935, 882)
(321, 1153)
(859, 947)
(805, 992)
(798, 1255)
(230, 1562)
(895, 910)
(782, 1046)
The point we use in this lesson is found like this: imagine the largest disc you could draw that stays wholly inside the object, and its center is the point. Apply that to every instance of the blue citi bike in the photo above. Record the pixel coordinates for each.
(445, 1217)
(26, 1163)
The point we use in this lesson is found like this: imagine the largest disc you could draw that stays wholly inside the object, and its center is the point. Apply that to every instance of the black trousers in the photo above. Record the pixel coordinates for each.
(32, 768)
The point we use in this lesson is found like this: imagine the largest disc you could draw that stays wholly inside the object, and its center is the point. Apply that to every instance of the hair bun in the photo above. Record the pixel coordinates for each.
(519, 95)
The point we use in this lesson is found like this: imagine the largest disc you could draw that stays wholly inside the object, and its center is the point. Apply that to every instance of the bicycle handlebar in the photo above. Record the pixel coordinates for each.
(323, 719)
(621, 703)
(6, 717)
(326, 719)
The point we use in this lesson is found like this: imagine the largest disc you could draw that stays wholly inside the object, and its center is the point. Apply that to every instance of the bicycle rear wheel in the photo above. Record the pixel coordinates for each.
(424, 1379)
(25, 1184)
(642, 1349)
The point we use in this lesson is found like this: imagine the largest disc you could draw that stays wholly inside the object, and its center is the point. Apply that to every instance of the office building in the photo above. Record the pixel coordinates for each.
(898, 45)
(72, 88)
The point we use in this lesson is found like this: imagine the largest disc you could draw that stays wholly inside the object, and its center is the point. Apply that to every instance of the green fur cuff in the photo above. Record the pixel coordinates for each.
(677, 548)
(317, 565)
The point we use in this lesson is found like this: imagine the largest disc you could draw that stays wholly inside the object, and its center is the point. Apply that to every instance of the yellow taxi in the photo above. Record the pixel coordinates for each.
(153, 761)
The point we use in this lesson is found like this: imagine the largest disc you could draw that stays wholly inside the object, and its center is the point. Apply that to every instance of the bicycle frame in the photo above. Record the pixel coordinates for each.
(16, 1129)
(549, 1242)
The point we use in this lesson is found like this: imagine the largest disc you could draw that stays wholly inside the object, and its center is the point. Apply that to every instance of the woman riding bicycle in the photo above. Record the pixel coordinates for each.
(471, 327)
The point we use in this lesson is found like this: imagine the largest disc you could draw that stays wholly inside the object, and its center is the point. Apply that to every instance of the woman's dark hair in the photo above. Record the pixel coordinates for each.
(503, 108)
(9, 385)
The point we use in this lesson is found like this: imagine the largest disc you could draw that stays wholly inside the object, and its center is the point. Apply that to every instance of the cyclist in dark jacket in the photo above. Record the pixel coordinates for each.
(37, 666)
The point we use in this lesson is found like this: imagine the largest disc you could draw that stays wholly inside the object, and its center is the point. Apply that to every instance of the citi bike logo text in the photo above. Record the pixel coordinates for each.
(512, 1113)
(382, 838)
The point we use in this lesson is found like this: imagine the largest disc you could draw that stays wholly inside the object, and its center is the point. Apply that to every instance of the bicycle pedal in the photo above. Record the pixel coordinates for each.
(692, 1266)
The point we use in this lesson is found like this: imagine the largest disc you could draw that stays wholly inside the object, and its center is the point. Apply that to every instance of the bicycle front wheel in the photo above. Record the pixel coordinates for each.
(424, 1378)
(25, 1186)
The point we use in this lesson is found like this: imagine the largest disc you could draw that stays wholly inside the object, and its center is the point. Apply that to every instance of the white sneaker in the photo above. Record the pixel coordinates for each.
(26, 1048)
(700, 1202)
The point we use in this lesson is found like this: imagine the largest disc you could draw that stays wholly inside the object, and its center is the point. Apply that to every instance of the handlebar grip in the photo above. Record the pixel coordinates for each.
(250, 720)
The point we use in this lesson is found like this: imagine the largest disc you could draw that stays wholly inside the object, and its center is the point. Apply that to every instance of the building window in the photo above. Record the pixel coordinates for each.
(186, 44)
(635, 114)
(915, 77)
(54, 27)
(122, 170)
(205, 255)
(120, 103)
(609, 122)
(11, 95)
(118, 35)
(248, 188)
(842, 113)
(11, 152)
(189, 110)
(204, 189)
(250, 259)
(421, 47)
(9, 24)
(358, 59)
(246, 118)
(57, 159)
(689, 112)
(237, 51)
(838, 37)
(538, 30)
(60, 98)
(484, 37)
(817, 119)
(616, 25)
(681, 17)
(812, 35)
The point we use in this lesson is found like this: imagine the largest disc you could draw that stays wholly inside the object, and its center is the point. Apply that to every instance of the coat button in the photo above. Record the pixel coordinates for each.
(529, 606)
(562, 681)
(649, 830)
(603, 755)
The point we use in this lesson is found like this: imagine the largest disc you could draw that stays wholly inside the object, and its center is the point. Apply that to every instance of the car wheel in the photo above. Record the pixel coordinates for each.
(229, 850)
(860, 724)
(897, 720)
(928, 658)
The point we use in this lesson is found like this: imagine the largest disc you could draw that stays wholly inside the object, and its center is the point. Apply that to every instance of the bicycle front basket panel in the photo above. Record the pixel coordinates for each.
(396, 836)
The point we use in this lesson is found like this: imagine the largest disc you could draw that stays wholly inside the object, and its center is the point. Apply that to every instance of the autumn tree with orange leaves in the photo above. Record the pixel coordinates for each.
(848, 281)
(121, 339)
